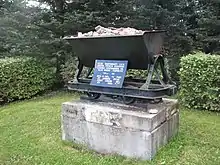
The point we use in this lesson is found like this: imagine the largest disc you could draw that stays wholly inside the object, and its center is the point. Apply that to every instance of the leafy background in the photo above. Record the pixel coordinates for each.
(37, 31)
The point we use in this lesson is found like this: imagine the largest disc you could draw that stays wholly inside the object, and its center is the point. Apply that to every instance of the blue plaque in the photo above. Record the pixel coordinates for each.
(109, 73)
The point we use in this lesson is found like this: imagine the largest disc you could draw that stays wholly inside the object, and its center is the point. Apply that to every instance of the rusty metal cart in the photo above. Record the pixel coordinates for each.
(142, 53)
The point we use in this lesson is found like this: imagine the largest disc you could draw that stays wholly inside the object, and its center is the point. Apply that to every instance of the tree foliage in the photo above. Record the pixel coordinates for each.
(32, 30)
(17, 33)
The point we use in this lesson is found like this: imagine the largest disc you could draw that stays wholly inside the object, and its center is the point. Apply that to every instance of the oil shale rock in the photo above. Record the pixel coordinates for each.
(110, 31)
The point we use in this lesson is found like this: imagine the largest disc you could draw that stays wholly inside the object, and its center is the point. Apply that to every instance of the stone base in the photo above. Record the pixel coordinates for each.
(113, 128)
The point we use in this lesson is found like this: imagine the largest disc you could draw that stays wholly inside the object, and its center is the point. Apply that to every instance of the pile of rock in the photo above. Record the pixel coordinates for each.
(110, 31)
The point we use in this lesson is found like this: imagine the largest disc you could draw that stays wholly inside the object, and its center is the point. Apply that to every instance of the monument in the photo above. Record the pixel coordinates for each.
(120, 114)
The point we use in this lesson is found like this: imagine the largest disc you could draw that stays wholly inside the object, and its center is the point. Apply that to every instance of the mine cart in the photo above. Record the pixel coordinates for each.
(142, 52)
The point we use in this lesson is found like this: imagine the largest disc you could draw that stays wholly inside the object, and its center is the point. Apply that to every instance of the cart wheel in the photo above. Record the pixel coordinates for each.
(92, 95)
(128, 100)
(156, 101)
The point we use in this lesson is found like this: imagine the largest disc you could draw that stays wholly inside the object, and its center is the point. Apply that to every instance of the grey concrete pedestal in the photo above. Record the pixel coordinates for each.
(114, 128)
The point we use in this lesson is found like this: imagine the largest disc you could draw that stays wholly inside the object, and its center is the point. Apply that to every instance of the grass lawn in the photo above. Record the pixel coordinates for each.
(30, 134)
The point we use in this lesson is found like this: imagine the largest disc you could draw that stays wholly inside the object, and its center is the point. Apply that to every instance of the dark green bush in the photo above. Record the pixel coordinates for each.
(200, 81)
(23, 77)
(68, 69)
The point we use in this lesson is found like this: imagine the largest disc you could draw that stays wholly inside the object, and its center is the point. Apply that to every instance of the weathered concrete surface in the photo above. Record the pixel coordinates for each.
(113, 128)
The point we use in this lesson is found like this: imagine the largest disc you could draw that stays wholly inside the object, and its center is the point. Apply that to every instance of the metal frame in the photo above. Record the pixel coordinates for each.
(132, 88)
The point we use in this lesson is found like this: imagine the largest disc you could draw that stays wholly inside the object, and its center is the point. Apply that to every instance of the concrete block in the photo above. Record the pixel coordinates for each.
(121, 115)
(114, 130)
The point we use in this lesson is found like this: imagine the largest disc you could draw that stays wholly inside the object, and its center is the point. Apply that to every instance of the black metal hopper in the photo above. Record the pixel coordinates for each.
(137, 49)
(141, 51)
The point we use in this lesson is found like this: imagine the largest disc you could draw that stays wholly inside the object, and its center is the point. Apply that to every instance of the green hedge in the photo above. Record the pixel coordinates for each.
(23, 77)
(200, 81)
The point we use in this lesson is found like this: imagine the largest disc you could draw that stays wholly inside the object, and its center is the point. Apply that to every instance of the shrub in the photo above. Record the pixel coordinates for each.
(23, 77)
(68, 69)
(200, 81)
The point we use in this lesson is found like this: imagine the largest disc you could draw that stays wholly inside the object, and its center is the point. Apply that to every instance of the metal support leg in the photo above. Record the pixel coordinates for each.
(158, 77)
(78, 71)
(89, 72)
(153, 68)
(166, 78)
(149, 77)
(164, 72)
